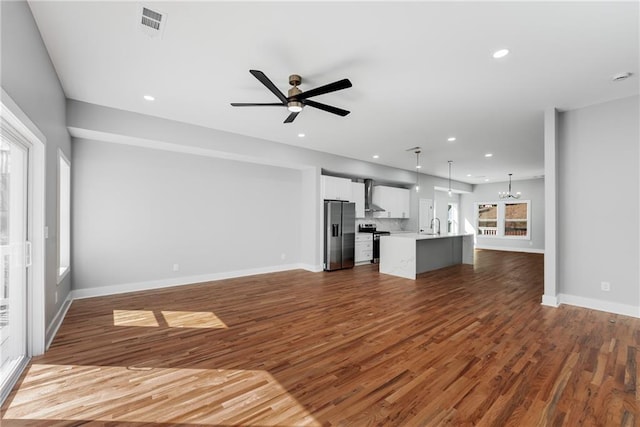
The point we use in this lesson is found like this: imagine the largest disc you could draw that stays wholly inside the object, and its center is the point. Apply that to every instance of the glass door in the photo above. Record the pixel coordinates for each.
(14, 256)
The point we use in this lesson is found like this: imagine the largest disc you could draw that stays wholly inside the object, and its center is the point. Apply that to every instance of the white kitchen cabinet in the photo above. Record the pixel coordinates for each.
(334, 188)
(364, 247)
(357, 196)
(395, 201)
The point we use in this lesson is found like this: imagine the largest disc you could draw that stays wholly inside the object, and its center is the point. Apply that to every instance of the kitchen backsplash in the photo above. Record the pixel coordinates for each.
(384, 224)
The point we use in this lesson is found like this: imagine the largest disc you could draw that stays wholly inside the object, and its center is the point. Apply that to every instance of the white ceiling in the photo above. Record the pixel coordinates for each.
(421, 71)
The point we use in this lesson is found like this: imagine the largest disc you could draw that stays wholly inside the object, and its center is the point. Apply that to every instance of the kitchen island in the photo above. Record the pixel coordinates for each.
(409, 254)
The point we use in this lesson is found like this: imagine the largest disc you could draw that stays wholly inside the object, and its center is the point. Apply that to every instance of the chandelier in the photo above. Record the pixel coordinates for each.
(508, 194)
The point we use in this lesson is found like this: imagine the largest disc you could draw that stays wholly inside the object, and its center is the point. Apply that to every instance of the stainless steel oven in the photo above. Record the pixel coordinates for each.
(371, 228)
(376, 245)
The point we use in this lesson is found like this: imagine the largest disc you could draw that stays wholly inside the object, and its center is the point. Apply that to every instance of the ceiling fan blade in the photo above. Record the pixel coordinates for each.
(331, 87)
(269, 84)
(325, 107)
(249, 104)
(291, 117)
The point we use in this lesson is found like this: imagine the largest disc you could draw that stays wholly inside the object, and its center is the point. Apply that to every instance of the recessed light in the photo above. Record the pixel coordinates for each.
(451, 139)
(500, 53)
(301, 135)
(468, 174)
(486, 180)
(488, 155)
(418, 167)
(149, 98)
(375, 156)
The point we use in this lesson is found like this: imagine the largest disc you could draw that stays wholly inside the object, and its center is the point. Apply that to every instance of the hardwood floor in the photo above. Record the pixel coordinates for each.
(462, 346)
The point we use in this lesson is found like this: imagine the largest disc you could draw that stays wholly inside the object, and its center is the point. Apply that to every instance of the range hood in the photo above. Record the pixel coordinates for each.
(368, 197)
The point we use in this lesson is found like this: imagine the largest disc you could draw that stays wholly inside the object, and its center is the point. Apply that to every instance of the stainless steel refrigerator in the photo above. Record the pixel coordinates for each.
(339, 234)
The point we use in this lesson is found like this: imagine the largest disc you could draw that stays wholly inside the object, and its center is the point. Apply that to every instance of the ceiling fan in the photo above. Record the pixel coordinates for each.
(297, 99)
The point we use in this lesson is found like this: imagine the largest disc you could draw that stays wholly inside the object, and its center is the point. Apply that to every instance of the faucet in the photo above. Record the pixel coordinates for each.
(432, 224)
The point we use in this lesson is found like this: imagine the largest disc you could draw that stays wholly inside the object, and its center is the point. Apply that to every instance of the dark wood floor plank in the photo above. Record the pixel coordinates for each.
(463, 346)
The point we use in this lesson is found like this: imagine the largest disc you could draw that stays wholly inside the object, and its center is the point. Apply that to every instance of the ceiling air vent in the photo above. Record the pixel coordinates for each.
(151, 22)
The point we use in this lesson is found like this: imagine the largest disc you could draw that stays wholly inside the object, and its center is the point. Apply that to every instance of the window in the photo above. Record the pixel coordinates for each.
(504, 219)
(64, 215)
(452, 218)
(516, 219)
(487, 219)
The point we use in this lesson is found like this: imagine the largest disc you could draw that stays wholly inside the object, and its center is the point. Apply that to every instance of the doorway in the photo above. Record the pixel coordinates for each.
(15, 254)
(22, 235)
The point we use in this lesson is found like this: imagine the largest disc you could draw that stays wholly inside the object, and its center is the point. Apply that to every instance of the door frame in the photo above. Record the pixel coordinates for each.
(36, 291)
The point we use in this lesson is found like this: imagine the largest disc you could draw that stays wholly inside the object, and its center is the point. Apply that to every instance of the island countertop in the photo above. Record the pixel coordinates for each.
(423, 236)
(408, 254)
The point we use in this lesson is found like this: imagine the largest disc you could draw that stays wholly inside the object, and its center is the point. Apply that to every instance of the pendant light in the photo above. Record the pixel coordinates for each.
(508, 194)
(450, 192)
(417, 170)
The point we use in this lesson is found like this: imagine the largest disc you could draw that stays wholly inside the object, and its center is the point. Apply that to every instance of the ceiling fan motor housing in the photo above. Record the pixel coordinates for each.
(295, 80)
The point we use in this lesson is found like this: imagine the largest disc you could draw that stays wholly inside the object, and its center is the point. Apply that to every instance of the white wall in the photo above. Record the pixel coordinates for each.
(29, 78)
(138, 211)
(531, 189)
(598, 205)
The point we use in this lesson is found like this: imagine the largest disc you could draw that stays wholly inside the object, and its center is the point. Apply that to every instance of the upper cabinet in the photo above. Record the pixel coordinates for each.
(395, 201)
(357, 196)
(333, 188)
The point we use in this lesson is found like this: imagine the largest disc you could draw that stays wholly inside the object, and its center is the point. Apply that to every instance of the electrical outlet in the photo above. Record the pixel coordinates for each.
(283, 256)
(176, 267)
(605, 286)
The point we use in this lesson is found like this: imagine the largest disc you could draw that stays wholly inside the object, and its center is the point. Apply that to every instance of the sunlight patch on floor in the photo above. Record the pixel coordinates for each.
(193, 319)
(144, 318)
(155, 395)
(172, 319)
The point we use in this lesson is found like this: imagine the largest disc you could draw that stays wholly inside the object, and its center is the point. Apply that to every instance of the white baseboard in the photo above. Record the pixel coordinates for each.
(53, 327)
(311, 268)
(509, 249)
(595, 304)
(551, 301)
(180, 281)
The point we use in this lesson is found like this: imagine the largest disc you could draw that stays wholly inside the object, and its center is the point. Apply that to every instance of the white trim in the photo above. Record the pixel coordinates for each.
(311, 268)
(551, 125)
(53, 327)
(600, 305)
(509, 249)
(177, 281)
(551, 301)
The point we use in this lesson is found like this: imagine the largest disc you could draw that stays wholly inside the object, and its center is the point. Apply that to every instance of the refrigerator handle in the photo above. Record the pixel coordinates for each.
(335, 230)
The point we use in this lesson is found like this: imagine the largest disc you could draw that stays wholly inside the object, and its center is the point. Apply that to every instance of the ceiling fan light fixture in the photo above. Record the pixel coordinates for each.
(294, 106)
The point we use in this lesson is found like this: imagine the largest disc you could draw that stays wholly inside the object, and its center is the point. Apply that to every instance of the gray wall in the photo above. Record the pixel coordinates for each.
(112, 129)
(531, 189)
(30, 80)
(138, 211)
(598, 201)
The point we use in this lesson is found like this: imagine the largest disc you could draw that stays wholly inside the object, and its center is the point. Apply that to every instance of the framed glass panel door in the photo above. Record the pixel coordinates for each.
(13, 256)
